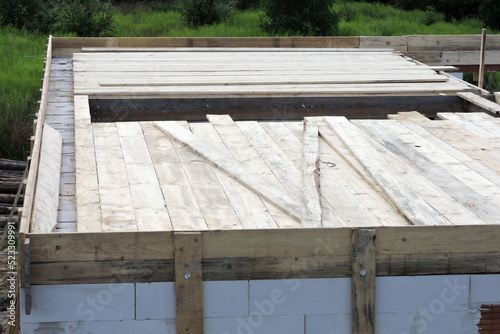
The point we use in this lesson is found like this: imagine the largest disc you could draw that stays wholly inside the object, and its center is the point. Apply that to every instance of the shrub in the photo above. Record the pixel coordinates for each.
(300, 17)
(197, 13)
(86, 18)
(489, 11)
(28, 14)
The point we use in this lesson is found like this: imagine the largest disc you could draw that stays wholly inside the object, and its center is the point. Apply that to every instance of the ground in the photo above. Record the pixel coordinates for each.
(4, 290)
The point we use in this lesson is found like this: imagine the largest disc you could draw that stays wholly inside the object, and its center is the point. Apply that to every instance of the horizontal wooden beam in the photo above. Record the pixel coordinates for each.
(74, 258)
(196, 109)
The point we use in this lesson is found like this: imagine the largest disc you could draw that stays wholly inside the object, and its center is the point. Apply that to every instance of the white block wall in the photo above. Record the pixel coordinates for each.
(424, 304)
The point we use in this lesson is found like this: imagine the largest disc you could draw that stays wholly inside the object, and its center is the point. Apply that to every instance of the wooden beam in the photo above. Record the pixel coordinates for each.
(363, 281)
(311, 216)
(76, 258)
(27, 275)
(196, 109)
(188, 283)
(478, 100)
(234, 168)
(481, 59)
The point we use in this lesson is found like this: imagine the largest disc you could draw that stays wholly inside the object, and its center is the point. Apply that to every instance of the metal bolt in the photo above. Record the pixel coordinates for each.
(187, 276)
(362, 272)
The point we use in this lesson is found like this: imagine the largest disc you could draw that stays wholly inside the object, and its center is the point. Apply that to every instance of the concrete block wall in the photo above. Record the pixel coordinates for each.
(423, 304)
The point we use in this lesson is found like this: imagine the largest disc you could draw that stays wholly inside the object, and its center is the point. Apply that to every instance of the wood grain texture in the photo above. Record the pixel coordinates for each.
(46, 201)
(311, 216)
(188, 283)
(235, 169)
(363, 281)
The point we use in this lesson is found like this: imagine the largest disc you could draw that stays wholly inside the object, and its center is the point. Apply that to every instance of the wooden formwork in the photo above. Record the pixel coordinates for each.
(359, 252)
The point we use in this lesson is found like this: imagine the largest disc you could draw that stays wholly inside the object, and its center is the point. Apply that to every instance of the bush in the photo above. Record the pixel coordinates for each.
(33, 15)
(197, 13)
(300, 17)
(453, 9)
(489, 11)
(86, 18)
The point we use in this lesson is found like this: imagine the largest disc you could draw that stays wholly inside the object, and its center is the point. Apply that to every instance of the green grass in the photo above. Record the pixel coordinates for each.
(20, 72)
(21, 64)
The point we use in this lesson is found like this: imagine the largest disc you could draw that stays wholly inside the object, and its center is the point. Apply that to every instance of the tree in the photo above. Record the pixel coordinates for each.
(300, 17)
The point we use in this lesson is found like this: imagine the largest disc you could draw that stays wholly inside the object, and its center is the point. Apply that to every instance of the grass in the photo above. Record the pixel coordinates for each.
(21, 64)
(20, 72)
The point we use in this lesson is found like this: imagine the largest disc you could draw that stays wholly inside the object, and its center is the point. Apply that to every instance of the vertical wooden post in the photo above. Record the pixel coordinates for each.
(188, 283)
(481, 62)
(27, 276)
(363, 281)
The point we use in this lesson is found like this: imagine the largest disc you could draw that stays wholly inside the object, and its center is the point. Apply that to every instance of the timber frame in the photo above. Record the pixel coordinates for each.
(120, 257)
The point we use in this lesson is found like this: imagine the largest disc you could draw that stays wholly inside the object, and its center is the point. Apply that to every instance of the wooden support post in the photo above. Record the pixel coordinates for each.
(481, 61)
(188, 283)
(27, 274)
(363, 281)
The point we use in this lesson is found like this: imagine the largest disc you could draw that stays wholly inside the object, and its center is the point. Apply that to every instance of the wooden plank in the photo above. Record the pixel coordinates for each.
(412, 123)
(485, 121)
(184, 210)
(117, 208)
(285, 139)
(211, 197)
(282, 167)
(240, 172)
(291, 108)
(311, 214)
(451, 43)
(481, 102)
(188, 283)
(149, 205)
(29, 197)
(455, 58)
(481, 59)
(88, 207)
(452, 184)
(363, 281)
(241, 149)
(340, 190)
(46, 199)
(492, 138)
(247, 205)
(264, 254)
(418, 211)
(356, 197)
(398, 43)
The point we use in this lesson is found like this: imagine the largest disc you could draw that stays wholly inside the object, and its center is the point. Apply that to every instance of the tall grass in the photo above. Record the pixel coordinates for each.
(20, 72)
(21, 64)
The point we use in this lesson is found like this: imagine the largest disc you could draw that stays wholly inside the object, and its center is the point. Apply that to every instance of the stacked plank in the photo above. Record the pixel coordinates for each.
(212, 72)
(11, 174)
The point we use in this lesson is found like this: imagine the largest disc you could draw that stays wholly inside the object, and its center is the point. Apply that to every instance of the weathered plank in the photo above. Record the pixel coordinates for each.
(481, 102)
(363, 281)
(188, 283)
(88, 205)
(46, 198)
(311, 216)
(416, 209)
(240, 172)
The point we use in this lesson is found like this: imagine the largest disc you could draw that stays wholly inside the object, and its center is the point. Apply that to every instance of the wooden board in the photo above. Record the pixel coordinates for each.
(188, 283)
(87, 184)
(311, 216)
(263, 254)
(363, 281)
(488, 105)
(46, 198)
(238, 171)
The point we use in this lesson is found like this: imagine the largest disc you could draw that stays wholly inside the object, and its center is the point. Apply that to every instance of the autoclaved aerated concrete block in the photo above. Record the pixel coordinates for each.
(300, 296)
(485, 289)
(255, 324)
(220, 299)
(80, 302)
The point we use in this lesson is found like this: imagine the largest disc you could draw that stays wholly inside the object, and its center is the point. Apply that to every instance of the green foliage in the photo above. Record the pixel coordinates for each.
(86, 18)
(28, 14)
(300, 17)
(489, 11)
(196, 13)
(453, 9)
(21, 64)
